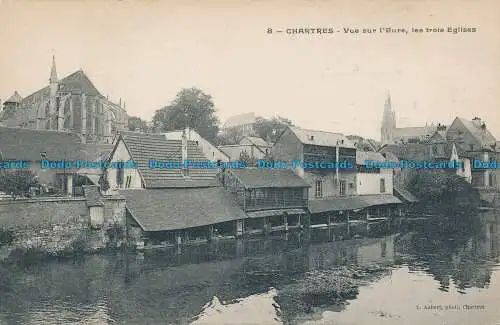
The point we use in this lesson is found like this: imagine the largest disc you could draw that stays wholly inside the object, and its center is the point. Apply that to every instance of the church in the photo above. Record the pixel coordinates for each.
(390, 134)
(71, 104)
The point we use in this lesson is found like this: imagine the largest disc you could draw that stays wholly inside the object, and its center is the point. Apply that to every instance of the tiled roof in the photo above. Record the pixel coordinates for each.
(240, 119)
(405, 194)
(481, 135)
(363, 156)
(144, 147)
(321, 138)
(257, 141)
(410, 132)
(171, 209)
(408, 151)
(253, 177)
(27, 144)
(15, 98)
(351, 203)
(92, 196)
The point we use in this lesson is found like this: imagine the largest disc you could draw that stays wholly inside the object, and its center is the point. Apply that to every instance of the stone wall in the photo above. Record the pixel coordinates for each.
(61, 226)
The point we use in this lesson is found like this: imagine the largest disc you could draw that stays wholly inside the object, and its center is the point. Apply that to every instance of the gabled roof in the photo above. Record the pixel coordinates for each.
(77, 82)
(145, 146)
(410, 132)
(241, 119)
(321, 138)
(482, 135)
(408, 151)
(171, 209)
(257, 141)
(27, 144)
(363, 156)
(252, 177)
(15, 98)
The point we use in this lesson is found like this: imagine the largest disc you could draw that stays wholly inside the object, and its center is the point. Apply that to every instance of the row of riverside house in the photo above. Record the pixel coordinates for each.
(172, 206)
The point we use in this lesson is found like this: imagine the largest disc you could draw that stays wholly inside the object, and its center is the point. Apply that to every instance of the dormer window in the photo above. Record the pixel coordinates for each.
(311, 137)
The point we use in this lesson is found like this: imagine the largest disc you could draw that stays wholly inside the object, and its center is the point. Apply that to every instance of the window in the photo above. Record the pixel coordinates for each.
(318, 188)
(382, 185)
(342, 188)
(128, 181)
(119, 176)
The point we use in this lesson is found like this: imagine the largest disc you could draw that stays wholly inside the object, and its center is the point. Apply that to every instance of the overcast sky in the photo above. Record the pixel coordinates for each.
(145, 52)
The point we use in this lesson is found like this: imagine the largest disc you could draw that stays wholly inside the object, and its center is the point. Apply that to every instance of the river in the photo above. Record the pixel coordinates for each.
(421, 279)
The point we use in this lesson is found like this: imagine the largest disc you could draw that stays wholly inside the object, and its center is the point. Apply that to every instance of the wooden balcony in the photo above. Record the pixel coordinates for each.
(252, 204)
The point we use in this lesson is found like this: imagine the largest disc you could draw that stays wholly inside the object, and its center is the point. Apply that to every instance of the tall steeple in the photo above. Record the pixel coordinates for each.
(388, 121)
(53, 72)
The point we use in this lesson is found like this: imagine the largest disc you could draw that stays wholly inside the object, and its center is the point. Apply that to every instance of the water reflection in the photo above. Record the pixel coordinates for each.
(165, 287)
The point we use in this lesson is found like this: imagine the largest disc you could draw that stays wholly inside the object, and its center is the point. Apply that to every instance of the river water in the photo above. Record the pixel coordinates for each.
(423, 279)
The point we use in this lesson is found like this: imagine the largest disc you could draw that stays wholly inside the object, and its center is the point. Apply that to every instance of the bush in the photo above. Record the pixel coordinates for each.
(445, 193)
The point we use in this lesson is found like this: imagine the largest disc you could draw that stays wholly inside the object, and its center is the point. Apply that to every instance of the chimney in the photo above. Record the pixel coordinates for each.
(476, 121)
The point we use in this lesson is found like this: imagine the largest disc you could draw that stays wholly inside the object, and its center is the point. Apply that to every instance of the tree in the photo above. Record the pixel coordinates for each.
(18, 182)
(271, 129)
(137, 124)
(445, 192)
(230, 136)
(245, 157)
(192, 108)
(103, 181)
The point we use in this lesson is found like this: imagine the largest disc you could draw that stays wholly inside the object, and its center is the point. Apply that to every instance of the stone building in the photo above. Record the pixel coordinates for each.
(391, 134)
(71, 104)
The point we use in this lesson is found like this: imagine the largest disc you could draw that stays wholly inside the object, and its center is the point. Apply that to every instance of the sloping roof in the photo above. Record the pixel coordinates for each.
(481, 135)
(233, 151)
(92, 196)
(253, 177)
(405, 194)
(408, 151)
(171, 209)
(321, 138)
(351, 203)
(79, 82)
(410, 132)
(145, 146)
(363, 156)
(257, 141)
(27, 144)
(240, 119)
(15, 98)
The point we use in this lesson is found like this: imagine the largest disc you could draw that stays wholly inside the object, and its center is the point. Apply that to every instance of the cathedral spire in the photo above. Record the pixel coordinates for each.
(388, 121)
(53, 72)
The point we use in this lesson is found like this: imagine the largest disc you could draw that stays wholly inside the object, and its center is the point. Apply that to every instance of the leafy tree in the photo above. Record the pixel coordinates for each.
(271, 129)
(230, 136)
(103, 181)
(245, 157)
(137, 124)
(445, 192)
(192, 108)
(17, 182)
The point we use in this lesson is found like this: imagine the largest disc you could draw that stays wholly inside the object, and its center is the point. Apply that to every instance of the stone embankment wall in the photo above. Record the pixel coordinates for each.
(59, 226)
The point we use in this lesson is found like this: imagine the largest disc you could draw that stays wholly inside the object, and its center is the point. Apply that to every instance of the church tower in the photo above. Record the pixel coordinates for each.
(53, 117)
(388, 122)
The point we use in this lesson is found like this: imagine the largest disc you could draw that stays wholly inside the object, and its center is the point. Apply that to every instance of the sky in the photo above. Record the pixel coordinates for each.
(145, 52)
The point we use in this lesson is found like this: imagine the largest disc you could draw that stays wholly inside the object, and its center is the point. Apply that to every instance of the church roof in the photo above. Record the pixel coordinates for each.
(241, 119)
(417, 131)
(15, 98)
(77, 82)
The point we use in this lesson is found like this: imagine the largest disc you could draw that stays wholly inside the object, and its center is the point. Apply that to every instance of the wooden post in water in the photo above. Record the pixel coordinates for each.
(239, 228)
(285, 221)
(210, 232)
